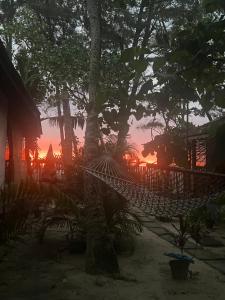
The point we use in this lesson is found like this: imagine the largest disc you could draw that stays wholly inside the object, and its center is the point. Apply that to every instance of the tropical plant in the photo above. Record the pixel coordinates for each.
(120, 219)
(182, 233)
(138, 40)
(43, 41)
(24, 206)
(191, 226)
(100, 254)
(220, 205)
(181, 237)
(197, 56)
(180, 263)
(59, 210)
(109, 146)
(196, 220)
(119, 216)
(14, 212)
(205, 217)
(169, 146)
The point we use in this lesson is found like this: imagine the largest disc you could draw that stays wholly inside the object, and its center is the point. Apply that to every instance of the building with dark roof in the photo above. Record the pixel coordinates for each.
(19, 118)
(202, 147)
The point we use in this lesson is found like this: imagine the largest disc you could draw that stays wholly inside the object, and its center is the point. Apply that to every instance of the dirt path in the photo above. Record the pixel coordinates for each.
(34, 272)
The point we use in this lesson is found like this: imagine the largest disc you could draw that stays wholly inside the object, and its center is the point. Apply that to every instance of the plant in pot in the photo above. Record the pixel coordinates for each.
(180, 263)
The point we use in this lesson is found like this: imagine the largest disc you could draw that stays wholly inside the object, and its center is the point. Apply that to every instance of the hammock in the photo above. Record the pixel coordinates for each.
(172, 192)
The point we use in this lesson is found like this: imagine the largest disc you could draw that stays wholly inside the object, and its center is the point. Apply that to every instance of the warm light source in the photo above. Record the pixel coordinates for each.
(150, 159)
(43, 153)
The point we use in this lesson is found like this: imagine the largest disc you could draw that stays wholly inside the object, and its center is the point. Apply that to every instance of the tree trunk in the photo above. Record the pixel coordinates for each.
(124, 115)
(122, 139)
(100, 256)
(67, 145)
(61, 129)
(124, 126)
(75, 145)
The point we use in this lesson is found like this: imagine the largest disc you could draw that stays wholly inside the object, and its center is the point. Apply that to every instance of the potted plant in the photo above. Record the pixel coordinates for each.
(197, 225)
(180, 263)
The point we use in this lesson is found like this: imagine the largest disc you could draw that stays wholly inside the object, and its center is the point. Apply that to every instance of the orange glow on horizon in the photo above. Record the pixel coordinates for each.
(43, 153)
(150, 159)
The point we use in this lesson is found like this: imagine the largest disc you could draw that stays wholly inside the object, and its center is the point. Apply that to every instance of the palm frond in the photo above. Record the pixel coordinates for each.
(20, 202)
(110, 144)
(151, 125)
(32, 144)
(77, 121)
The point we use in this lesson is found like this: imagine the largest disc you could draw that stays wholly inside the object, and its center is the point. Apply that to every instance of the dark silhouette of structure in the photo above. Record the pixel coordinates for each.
(19, 120)
(203, 148)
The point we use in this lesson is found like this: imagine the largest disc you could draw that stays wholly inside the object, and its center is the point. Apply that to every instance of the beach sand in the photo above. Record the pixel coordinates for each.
(39, 272)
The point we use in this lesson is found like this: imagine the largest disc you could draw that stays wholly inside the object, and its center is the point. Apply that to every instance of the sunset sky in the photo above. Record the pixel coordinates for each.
(51, 136)
(137, 136)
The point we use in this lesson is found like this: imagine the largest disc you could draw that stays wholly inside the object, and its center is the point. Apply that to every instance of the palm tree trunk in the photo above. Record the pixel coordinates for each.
(100, 255)
(68, 141)
(61, 129)
(75, 145)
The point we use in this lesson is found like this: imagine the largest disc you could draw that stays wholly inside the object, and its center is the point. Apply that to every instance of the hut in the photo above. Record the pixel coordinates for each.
(19, 119)
(202, 148)
(206, 146)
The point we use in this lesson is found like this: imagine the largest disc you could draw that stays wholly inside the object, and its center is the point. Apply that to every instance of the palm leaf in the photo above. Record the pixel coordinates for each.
(18, 203)
(150, 125)
(77, 121)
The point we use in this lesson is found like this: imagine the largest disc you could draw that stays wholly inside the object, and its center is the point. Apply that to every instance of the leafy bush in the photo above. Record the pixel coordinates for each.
(32, 208)
(26, 204)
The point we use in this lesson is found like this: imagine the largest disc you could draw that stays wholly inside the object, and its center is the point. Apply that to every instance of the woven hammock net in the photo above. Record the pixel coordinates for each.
(159, 192)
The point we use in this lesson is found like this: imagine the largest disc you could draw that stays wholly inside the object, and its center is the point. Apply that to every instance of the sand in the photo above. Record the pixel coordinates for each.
(39, 272)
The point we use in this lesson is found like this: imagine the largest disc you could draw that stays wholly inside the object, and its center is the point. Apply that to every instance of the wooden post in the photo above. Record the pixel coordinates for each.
(193, 154)
(3, 139)
(16, 154)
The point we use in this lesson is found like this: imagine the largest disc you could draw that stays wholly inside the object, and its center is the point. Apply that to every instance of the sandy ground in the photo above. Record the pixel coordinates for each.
(38, 272)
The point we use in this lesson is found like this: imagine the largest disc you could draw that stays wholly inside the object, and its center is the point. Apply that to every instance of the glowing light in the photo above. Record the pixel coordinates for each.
(200, 164)
(142, 164)
(126, 156)
(43, 153)
(150, 159)
(7, 153)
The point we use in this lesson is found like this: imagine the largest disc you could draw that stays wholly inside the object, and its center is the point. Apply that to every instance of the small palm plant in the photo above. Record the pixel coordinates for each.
(16, 201)
(120, 218)
(182, 233)
(24, 205)
(31, 207)
(180, 263)
(121, 221)
(109, 145)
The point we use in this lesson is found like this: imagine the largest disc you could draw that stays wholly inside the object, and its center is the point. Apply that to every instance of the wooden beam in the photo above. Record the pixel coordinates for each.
(3, 139)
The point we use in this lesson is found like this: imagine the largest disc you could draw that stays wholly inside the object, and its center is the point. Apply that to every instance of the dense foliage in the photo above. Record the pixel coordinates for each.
(115, 61)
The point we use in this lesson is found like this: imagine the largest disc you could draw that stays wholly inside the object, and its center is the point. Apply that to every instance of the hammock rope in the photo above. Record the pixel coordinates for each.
(164, 192)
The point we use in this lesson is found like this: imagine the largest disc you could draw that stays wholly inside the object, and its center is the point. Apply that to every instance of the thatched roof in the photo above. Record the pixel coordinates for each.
(207, 129)
(22, 108)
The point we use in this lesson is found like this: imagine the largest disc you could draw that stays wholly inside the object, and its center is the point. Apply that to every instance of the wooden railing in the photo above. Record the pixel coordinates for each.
(178, 181)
